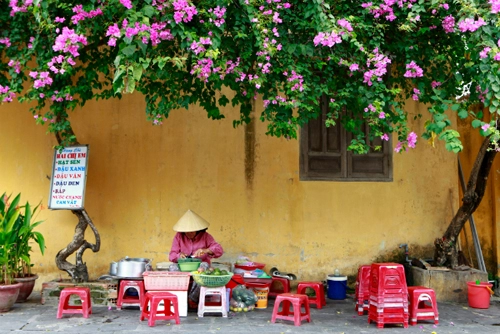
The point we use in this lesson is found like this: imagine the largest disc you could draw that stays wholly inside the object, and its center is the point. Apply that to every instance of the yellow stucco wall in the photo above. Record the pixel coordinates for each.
(141, 179)
(486, 216)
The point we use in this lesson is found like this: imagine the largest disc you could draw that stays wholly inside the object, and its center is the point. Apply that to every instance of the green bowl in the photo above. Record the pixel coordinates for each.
(189, 266)
(189, 259)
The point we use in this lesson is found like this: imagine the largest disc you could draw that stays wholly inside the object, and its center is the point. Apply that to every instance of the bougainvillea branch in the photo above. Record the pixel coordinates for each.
(368, 57)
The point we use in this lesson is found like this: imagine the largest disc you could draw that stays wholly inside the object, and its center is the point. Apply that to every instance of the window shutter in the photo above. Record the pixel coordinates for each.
(374, 164)
(324, 155)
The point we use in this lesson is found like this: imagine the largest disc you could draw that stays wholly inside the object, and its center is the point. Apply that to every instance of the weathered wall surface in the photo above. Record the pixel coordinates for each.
(141, 179)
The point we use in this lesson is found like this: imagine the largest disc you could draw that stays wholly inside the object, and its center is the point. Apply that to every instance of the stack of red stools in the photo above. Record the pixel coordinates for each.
(388, 295)
(362, 289)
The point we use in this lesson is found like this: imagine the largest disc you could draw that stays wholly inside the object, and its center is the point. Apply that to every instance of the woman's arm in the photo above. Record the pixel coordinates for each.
(175, 250)
(212, 248)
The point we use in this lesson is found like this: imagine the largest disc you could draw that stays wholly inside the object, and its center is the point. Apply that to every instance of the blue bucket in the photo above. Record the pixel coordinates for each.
(337, 287)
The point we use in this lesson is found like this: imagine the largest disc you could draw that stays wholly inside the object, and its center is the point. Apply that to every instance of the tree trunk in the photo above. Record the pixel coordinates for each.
(445, 252)
(78, 271)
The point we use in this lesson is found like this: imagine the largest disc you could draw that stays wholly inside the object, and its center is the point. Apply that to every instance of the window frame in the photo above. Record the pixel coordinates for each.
(347, 158)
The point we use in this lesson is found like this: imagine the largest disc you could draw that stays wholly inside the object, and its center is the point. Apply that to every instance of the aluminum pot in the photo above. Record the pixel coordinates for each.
(113, 268)
(133, 267)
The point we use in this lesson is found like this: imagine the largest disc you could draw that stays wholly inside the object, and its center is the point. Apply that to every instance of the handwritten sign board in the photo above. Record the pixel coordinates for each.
(69, 173)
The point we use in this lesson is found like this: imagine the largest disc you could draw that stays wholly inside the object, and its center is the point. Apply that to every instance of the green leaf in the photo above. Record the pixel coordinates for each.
(476, 123)
(463, 114)
(137, 72)
(148, 11)
(129, 50)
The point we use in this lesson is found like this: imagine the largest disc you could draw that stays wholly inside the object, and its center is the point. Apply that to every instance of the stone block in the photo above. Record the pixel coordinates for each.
(102, 293)
(449, 285)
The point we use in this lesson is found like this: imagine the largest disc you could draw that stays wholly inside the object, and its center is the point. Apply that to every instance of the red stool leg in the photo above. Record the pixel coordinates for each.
(276, 309)
(296, 313)
(63, 297)
(285, 308)
(175, 305)
(308, 310)
(153, 309)
(145, 311)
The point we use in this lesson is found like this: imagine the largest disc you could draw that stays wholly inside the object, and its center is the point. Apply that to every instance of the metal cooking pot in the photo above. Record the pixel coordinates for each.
(113, 268)
(133, 267)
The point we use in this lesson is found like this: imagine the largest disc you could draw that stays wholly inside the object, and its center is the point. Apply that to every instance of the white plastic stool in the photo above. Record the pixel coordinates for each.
(221, 292)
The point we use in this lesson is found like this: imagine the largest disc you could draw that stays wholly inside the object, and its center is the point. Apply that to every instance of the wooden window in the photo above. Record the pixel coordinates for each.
(324, 154)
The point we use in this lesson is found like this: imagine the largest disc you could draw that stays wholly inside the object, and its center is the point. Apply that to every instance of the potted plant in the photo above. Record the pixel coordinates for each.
(25, 235)
(16, 233)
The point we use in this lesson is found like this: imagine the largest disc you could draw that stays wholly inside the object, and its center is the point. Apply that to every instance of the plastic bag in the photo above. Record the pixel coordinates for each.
(173, 267)
(239, 306)
(194, 293)
(243, 260)
(243, 299)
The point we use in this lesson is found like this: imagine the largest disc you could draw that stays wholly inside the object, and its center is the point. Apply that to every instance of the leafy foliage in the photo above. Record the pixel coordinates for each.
(367, 57)
(16, 234)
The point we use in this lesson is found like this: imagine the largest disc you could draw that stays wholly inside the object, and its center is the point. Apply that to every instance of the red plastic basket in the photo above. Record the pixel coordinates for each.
(250, 266)
(166, 280)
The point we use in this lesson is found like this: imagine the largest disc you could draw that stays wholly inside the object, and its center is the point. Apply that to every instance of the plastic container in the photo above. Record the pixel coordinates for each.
(188, 264)
(250, 266)
(337, 287)
(163, 266)
(479, 294)
(212, 281)
(262, 291)
(166, 280)
(233, 283)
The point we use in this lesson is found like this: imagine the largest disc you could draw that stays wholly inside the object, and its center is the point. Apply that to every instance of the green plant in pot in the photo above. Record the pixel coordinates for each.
(16, 234)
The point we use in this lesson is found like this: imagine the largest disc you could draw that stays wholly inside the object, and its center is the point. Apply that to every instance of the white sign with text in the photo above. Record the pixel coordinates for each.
(69, 174)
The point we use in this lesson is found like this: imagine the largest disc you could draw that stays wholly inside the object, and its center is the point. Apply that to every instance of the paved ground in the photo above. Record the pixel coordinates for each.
(336, 317)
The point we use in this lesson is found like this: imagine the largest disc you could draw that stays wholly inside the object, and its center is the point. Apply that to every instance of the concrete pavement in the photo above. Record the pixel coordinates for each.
(336, 317)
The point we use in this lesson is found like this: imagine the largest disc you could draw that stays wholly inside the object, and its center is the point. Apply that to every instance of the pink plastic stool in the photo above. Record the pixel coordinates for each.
(221, 292)
(153, 314)
(319, 299)
(285, 283)
(423, 304)
(297, 301)
(85, 309)
(123, 299)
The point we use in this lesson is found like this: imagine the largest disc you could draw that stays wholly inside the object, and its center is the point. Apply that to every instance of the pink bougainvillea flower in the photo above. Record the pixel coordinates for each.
(413, 70)
(126, 3)
(412, 139)
(398, 147)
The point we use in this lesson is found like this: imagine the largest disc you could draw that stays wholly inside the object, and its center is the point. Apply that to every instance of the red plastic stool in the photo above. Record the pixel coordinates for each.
(153, 314)
(423, 304)
(362, 290)
(85, 309)
(319, 299)
(388, 295)
(285, 283)
(123, 299)
(297, 302)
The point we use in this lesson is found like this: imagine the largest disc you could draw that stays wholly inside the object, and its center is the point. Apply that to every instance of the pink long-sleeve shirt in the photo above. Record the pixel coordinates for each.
(182, 244)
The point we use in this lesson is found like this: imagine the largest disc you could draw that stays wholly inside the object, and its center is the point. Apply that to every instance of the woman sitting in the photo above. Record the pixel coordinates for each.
(193, 240)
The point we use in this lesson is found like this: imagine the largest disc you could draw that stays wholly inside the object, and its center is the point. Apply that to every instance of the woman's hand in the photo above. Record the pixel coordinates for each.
(182, 256)
(202, 251)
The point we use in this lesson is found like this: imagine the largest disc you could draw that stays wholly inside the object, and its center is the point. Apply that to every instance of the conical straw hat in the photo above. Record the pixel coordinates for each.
(191, 222)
